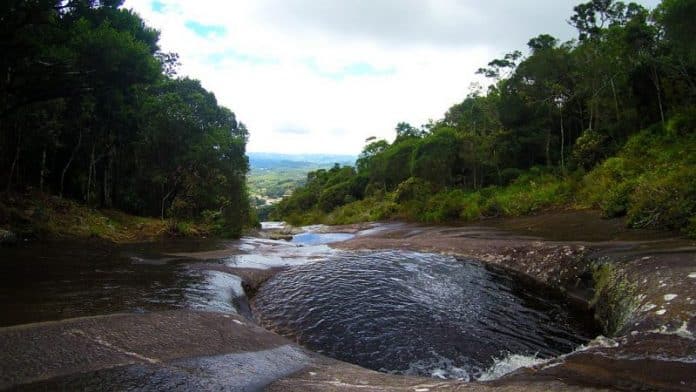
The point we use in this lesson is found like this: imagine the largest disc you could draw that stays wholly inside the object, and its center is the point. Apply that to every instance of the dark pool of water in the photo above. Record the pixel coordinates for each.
(57, 280)
(418, 314)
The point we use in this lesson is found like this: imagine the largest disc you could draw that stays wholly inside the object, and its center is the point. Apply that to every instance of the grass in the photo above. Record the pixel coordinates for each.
(49, 217)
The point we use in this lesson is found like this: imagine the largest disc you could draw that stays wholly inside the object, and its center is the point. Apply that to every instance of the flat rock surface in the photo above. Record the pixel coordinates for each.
(186, 350)
(194, 350)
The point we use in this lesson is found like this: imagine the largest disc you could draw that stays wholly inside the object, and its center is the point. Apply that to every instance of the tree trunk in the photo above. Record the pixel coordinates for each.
(616, 100)
(67, 165)
(589, 125)
(164, 200)
(656, 81)
(107, 180)
(42, 174)
(92, 173)
(18, 150)
(562, 142)
(548, 139)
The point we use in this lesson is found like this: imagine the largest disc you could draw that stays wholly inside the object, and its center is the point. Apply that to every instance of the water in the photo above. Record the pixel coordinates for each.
(418, 314)
(400, 312)
(311, 238)
(57, 280)
(64, 279)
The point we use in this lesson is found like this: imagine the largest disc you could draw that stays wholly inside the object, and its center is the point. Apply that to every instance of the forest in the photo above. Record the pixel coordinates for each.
(604, 121)
(92, 110)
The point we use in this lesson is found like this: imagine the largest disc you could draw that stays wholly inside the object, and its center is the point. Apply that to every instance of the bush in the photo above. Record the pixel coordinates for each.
(509, 175)
(444, 206)
(614, 201)
(335, 195)
(664, 200)
(365, 210)
(683, 122)
(690, 229)
(590, 148)
(529, 193)
(413, 189)
(608, 186)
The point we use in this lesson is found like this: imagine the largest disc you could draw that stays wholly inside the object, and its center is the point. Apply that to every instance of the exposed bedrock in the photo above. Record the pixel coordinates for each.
(642, 287)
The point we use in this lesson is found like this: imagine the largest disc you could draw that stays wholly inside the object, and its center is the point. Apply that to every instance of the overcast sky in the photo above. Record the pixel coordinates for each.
(323, 75)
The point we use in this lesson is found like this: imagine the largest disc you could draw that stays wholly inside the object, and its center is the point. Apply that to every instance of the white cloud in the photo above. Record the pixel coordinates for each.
(322, 76)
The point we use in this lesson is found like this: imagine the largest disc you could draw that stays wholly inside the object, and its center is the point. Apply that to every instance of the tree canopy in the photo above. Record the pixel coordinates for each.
(563, 107)
(92, 109)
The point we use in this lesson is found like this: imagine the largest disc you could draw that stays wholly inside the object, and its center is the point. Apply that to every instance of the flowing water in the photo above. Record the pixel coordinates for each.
(64, 279)
(419, 314)
(394, 311)
(57, 280)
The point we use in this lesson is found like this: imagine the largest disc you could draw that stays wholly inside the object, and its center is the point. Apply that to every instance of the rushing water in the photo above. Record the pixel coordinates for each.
(418, 314)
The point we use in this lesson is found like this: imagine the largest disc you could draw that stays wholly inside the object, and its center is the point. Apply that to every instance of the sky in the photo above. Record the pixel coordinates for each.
(322, 76)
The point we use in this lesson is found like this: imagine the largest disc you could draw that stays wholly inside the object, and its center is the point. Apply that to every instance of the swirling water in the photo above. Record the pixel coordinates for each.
(418, 314)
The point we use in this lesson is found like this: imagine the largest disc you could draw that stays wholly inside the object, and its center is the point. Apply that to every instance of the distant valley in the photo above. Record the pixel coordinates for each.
(273, 175)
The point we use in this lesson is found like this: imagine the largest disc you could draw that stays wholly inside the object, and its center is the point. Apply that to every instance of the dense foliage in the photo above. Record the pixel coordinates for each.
(91, 109)
(547, 119)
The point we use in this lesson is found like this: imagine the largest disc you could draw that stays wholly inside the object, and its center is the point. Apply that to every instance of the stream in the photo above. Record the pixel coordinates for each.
(393, 311)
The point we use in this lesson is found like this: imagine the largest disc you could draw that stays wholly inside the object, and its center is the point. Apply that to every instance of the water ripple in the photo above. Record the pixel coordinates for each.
(419, 314)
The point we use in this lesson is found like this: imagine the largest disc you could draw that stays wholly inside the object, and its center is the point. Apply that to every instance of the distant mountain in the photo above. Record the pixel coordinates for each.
(269, 160)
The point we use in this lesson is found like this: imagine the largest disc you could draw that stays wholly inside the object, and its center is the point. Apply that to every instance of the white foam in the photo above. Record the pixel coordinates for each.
(682, 331)
(274, 253)
(508, 364)
(513, 362)
(669, 297)
(272, 225)
(599, 341)
(215, 292)
(437, 366)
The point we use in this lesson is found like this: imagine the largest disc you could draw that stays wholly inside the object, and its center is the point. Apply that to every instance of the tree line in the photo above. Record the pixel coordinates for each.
(92, 109)
(562, 108)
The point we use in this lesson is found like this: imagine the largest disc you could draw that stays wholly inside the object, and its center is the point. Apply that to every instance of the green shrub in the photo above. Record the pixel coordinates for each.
(509, 175)
(445, 206)
(690, 229)
(664, 200)
(369, 209)
(413, 189)
(529, 193)
(589, 149)
(608, 186)
(683, 122)
(335, 195)
(472, 208)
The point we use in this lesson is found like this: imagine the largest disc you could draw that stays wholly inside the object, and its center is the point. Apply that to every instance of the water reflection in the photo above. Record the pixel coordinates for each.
(71, 279)
(64, 279)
